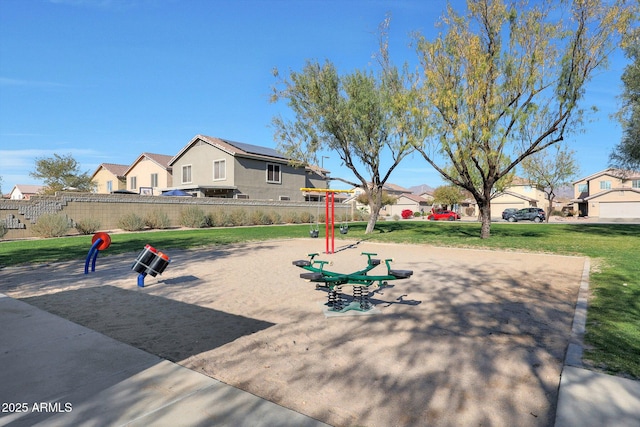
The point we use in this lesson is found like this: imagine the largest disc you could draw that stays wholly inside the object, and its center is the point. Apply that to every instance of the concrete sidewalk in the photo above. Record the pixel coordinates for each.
(55, 372)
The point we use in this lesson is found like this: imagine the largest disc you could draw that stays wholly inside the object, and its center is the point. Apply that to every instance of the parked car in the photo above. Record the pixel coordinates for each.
(530, 214)
(508, 212)
(443, 215)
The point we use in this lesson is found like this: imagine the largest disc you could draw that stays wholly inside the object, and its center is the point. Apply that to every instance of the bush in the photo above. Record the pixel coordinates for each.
(3, 229)
(275, 218)
(291, 218)
(259, 218)
(406, 214)
(306, 217)
(194, 217)
(217, 219)
(158, 220)
(132, 222)
(87, 226)
(396, 217)
(51, 225)
(417, 214)
(238, 217)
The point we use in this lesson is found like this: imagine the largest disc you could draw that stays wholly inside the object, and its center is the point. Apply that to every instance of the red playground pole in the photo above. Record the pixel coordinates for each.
(326, 222)
(333, 225)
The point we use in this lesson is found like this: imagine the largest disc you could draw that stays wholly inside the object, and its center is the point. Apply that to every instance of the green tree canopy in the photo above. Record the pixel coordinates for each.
(504, 81)
(60, 172)
(358, 115)
(447, 195)
(626, 155)
(551, 169)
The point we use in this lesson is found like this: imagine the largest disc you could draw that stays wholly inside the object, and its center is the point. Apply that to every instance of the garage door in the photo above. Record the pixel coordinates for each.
(620, 210)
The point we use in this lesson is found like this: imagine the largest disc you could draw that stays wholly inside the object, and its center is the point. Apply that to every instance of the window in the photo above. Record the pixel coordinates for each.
(219, 170)
(285, 198)
(154, 179)
(273, 173)
(635, 183)
(186, 174)
(109, 186)
(242, 196)
(133, 183)
(605, 185)
(583, 188)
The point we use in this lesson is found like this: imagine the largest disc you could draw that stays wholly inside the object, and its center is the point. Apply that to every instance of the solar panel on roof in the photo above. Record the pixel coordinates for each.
(254, 149)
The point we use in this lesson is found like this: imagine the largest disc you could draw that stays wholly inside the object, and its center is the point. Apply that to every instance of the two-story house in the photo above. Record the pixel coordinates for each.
(215, 167)
(149, 174)
(109, 177)
(611, 193)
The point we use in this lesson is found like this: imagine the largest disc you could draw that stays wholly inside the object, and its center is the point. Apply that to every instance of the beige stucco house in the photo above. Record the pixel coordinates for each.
(413, 202)
(149, 174)
(608, 194)
(24, 191)
(215, 167)
(109, 177)
(519, 195)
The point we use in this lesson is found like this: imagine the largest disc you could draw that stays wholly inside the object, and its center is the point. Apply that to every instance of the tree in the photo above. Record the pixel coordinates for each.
(550, 169)
(60, 172)
(626, 155)
(505, 82)
(359, 115)
(447, 195)
(385, 199)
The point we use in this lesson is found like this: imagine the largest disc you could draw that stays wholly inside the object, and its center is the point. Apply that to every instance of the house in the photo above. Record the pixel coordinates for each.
(149, 174)
(109, 177)
(393, 190)
(215, 167)
(413, 202)
(24, 192)
(520, 194)
(611, 193)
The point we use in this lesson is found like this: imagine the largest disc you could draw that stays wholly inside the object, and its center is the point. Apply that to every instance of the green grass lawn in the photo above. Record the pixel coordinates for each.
(613, 325)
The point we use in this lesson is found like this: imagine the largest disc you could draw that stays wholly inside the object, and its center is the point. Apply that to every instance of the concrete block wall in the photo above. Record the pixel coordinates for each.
(107, 209)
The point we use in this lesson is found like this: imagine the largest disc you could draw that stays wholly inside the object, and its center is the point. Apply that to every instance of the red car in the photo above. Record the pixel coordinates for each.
(443, 215)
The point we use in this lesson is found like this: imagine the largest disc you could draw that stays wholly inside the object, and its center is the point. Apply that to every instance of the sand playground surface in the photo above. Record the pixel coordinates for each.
(474, 337)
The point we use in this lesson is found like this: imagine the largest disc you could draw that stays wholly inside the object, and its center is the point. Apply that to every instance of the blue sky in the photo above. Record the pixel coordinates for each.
(105, 80)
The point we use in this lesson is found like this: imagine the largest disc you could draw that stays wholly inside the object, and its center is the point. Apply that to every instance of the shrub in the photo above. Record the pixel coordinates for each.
(417, 214)
(406, 214)
(291, 218)
(275, 218)
(238, 217)
(259, 218)
(3, 229)
(396, 217)
(87, 226)
(193, 217)
(306, 217)
(51, 225)
(157, 219)
(131, 222)
(217, 218)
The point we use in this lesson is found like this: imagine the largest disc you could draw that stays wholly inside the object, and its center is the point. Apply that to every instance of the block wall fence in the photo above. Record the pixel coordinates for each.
(20, 215)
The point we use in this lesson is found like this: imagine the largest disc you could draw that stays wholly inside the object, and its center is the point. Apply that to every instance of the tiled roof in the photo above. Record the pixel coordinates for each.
(29, 189)
(116, 169)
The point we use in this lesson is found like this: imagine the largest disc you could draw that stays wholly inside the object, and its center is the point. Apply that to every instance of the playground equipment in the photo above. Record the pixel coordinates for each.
(149, 261)
(99, 242)
(329, 215)
(360, 280)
